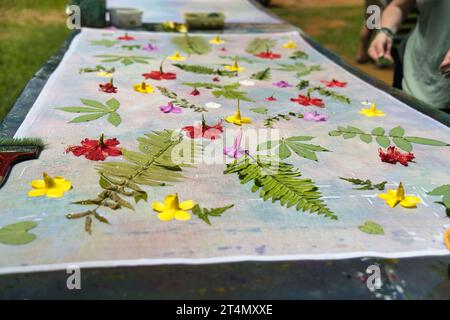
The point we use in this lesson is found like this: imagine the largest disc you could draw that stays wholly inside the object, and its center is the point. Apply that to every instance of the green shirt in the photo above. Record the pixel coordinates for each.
(424, 53)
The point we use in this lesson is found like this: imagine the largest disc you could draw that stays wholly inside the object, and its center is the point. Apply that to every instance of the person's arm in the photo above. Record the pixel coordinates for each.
(445, 66)
(391, 19)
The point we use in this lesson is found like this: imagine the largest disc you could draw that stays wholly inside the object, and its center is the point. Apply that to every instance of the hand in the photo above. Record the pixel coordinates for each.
(445, 65)
(381, 47)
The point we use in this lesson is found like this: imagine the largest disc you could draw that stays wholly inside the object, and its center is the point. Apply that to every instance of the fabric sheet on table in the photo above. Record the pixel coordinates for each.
(252, 229)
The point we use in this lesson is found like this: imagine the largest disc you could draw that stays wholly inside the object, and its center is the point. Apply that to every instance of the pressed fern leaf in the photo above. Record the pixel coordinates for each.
(261, 75)
(270, 121)
(280, 182)
(152, 165)
(239, 59)
(300, 68)
(230, 92)
(260, 44)
(125, 60)
(330, 93)
(104, 42)
(204, 70)
(204, 214)
(206, 85)
(192, 44)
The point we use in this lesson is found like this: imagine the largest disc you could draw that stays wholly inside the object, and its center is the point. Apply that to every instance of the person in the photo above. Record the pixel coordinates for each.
(426, 61)
(366, 34)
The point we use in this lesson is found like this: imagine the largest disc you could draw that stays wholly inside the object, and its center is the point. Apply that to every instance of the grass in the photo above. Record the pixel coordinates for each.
(337, 28)
(30, 33)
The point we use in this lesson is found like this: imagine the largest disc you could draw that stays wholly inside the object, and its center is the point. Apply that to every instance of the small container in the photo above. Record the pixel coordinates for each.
(204, 21)
(93, 12)
(125, 18)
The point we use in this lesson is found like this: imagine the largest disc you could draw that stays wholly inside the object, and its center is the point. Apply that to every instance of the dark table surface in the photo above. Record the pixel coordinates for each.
(408, 278)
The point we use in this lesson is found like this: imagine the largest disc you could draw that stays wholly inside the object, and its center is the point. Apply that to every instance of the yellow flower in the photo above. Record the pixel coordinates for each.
(393, 197)
(234, 67)
(237, 119)
(447, 238)
(372, 111)
(290, 45)
(50, 187)
(143, 88)
(104, 74)
(181, 27)
(216, 40)
(176, 57)
(173, 209)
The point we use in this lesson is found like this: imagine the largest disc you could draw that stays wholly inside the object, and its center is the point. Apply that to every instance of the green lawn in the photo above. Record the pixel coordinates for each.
(30, 32)
(337, 28)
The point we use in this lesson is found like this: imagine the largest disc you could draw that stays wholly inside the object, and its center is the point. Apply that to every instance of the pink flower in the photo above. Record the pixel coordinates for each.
(170, 108)
(282, 84)
(314, 116)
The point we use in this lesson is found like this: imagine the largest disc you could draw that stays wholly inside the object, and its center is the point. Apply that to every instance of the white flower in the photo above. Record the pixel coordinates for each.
(246, 83)
(213, 105)
(366, 103)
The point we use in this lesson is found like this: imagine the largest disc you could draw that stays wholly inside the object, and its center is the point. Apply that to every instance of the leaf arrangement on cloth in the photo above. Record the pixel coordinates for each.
(191, 44)
(98, 68)
(329, 93)
(230, 92)
(204, 70)
(249, 60)
(180, 102)
(17, 233)
(299, 55)
(299, 68)
(94, 110)
(205, 214)
(125, 60)
(151, 166)
(443, 191)
(365, 184)
(281, 182)
(260, 44)
(270, 121)
(284, 147)
(397, 135)
(262, 75)
(104, 42)
(130, 47)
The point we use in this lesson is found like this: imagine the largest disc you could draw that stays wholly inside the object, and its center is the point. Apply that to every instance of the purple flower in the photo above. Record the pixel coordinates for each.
(314, 116)
(150, 48)
(170, 108)
(282, 84)
(235, 151)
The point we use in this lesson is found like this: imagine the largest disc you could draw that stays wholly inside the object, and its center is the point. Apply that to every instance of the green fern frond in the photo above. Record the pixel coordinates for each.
(260, 44)
(191, 44)
(152, 165)
(280, 182)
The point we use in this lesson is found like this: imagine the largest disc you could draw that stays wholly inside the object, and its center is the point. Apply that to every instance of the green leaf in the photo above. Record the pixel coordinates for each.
(403, 144)
(397, 132)
(205, 214)
(88, 117)
(299, 55)
(281, 183)
(239, 59)
(283, 151)
(383, 141)
(115, 119)
(80, 110)
(300, 138)
(430, 142)
(259, 110)
(203, 70)
(94, 104)
(258, 45)
(192, 44)
(366, 184)
(104, 42)
(365, 138)
(378, 131)
(440, 191)
(261, 75)
(113, 104)
(300, 68)
(17, 233)
(371, 227)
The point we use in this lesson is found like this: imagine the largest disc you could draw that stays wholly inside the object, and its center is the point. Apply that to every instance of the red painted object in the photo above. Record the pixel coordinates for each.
(9, 158)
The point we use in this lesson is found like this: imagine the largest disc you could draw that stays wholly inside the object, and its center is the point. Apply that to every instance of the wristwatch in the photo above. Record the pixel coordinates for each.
(387, 32)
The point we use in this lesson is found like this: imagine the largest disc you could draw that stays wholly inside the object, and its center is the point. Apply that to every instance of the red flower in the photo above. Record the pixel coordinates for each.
(158, 75)
(108, 87)
(223, 49)
(271, 98)
(308, 101)
(268, 55)
(216, 79)
(126, 37)
(195, 92)
(204, 131)
(334, 83)
(393, 155)
(96, 150)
